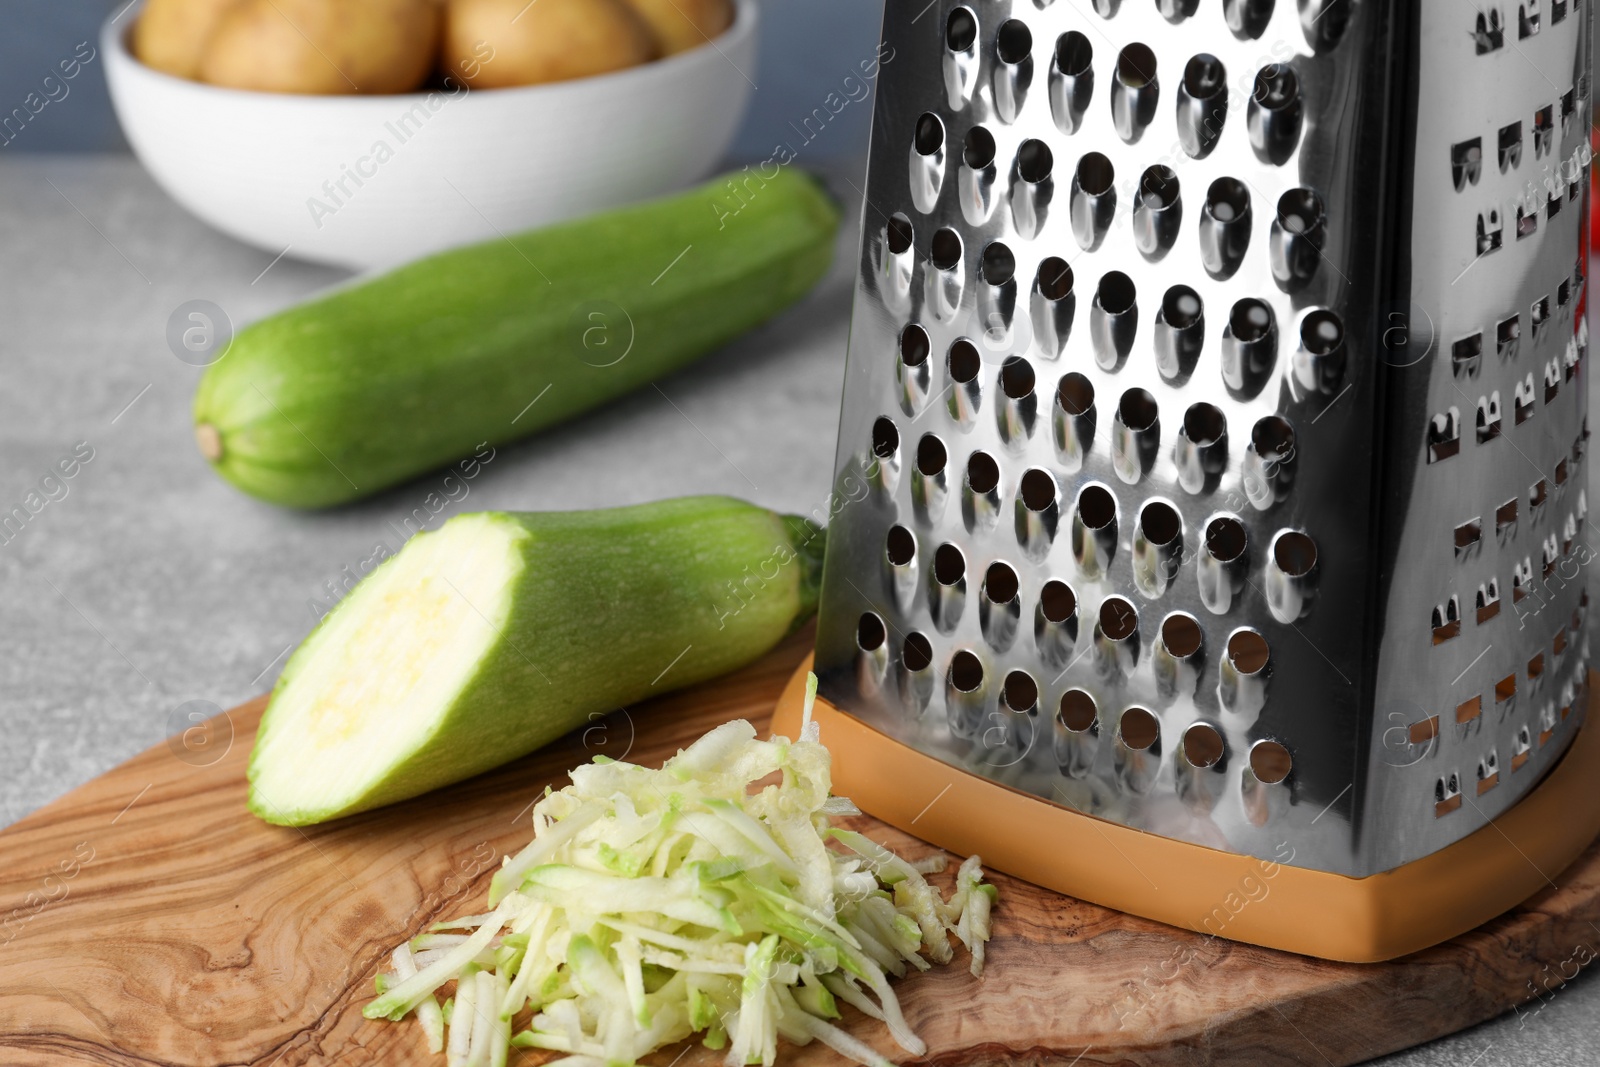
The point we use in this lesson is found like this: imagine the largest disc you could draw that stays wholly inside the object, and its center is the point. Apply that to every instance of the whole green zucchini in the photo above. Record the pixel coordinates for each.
(501, 631)
(382, 380)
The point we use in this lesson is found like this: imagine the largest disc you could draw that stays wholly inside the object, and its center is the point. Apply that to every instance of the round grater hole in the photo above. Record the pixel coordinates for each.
(870, 632)
(1138, 409)
(1096, 175)
(898, 234)
(1204, 75)
(966, 672)
(931, 455)
(1276, 87)
(1273, 438)
(1138, 729)
(1014, 42)
(1058, 601)
(885, 437)
(1117, 293)
(1322, 332)
(900, 546)
(1016, 377)
(1294, 553)
(1074, 53)
(983, 473)
(1270, 761)
(1038, 490)
(946, 249)
(1227, 199)
(1248, 652)
(1055, 279)
(1247, 18)
(1075, 393)
(1202, 745)
(1226, 539)
(1299, 211)
(1160, 523)
(949, 565)
(1204, 424)
(960, 30)
(929, 137)
(914, 345)
(1181, 635)
(1251, 319)
(1181, 307)
(965, 362)
(1136, 66)
(978, 151)
(1035, 161)
(998, 264)
(917, 655)
(1119, 619)
(1158, 186)
(1000, 583)
(1097, 507)
(1076, 711)
(1021, 691)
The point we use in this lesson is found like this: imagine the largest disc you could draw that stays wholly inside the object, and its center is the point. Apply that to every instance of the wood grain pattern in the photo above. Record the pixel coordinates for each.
(146, 918)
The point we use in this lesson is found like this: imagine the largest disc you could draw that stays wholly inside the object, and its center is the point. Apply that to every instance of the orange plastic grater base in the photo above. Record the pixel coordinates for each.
(1357, 920)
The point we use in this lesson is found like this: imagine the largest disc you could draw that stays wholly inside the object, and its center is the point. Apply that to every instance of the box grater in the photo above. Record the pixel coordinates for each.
(1214, 423)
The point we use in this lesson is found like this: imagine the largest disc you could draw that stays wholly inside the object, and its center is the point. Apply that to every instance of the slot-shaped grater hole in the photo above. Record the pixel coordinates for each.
(1138, 729)
(1035, 161)
(870, 632)
(1119, 619)
(949, 565)
(1561, 472)
(1181, 635)
(1536, 667)
(1038, 490)
(1021, 691)
(1300, 211)
(1276, 87)
(1527, 19)
(1202, 745)
(1116, 293)
(1538, 493)
(1466, 162)
(1057, 600)
(965, 362)
(1075, 393)
(1097, 507)
(1076, 711)
(914, 345)
(1226, 538)
(998, 263)
(1468, 534)
(1096, 175)
(978, 150)
(1000, 583)
(1322, 332)
(1505, 689)
(1181, 307)
(1159, 186)
(929, 137)
(1055, 279)
(1270, 761)
(917, 653)
(1074, 53)
(1295, 553)
(900, 546)
(1251, 319)
(898, 234)
(1248, 652)
(960, 30)
(1014, 42)
(1136, 65)
(1227, 199)
(1507, 333)
(931, 455)
(1016, 377)
(1160, 523)
(1204, 424)
(885, 437)
(983, 473)
(966, 672)
(946, 249)
(1466, 355)
(1509, 145)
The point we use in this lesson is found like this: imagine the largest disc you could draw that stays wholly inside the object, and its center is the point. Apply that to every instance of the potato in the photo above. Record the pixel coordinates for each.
(171, 35)
(683, 24)
(324, 46)
(496, 43)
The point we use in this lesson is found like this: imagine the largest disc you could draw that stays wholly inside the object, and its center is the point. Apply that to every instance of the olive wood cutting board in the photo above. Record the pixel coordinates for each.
(146, 918)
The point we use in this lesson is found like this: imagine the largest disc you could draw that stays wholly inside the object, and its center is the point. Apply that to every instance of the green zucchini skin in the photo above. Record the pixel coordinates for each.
(379, 381)
(610, 607)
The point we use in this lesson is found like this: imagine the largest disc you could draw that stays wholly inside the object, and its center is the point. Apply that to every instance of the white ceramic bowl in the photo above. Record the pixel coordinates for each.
(370, 181)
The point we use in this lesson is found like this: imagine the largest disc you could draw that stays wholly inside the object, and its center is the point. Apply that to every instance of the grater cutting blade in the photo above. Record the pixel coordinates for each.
(1214, 419)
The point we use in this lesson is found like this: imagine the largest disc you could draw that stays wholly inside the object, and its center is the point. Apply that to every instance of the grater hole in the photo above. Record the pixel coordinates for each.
(898, 234)
(949, 565)
(1159, 186)
(931, 455)
(983, 473)
(885, 437)
(965, 362)
(1273, 437)
(929, 134)
(1270, 761)
(1227, 199)
(900, 546)
(1202, 745)
(870, 633)
(1075, 394)
(1055, 279)
(1322, 332)
(917, 655)
(1016, 377)
(914, 345)
(1095, 174)
(1180, 634)
(1204, 424)
(1074, 53)
(978, 151)
(966, 671)
(1295, 553)
(1035, 161)
(1299, 211)
(1181, 307)
(1251, 319)
(946, 249)
(1116, 293)
(1159, 522)
(1226, 538)
(1276, 86)
(1000, 583)
(1138, 729)
(1097, 507)
(1138, 410)
(998, 264)
(1204, 75)
(1058, 602)
(1119, 619)
(1136, 66)
(1021, 691)
(1014, 42)
(960, 30)
(1248, 652)
(1077, 710)
(1038, 490)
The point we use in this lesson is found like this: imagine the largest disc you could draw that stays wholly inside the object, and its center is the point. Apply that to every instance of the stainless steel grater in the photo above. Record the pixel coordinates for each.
(1216, 369)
